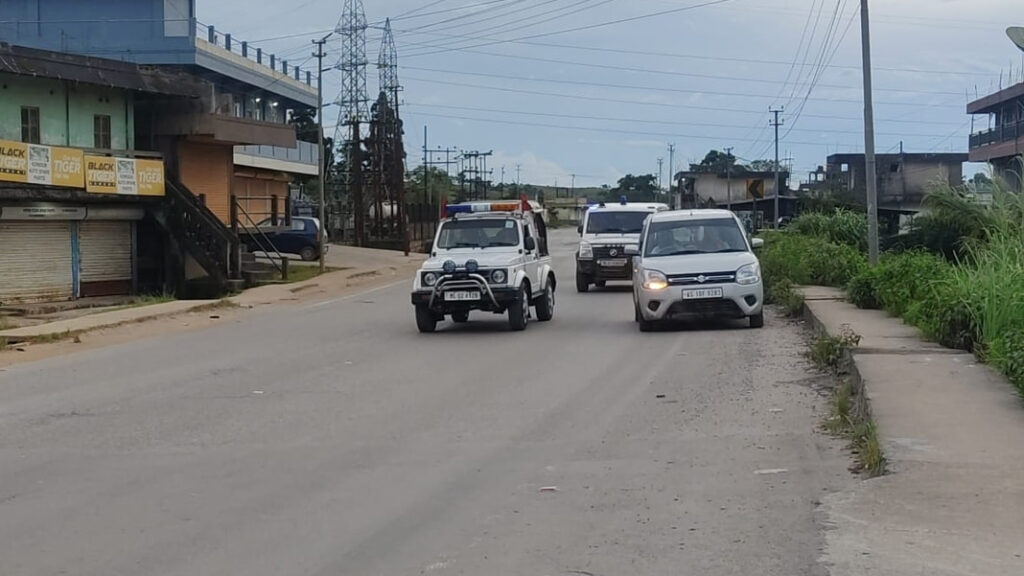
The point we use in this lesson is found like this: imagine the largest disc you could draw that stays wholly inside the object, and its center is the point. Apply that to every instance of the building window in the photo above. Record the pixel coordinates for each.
(101, 131)
(30, 125)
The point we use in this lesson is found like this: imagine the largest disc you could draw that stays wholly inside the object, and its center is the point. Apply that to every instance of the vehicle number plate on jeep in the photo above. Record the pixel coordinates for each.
(617, 263)
(461, 296)
(702, 293)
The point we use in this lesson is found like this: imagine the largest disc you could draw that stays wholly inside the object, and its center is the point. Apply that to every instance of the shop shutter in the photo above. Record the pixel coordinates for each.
(35, 262)
(105, 249)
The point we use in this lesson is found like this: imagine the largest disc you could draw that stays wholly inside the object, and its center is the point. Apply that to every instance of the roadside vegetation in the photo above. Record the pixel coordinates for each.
(957, 273)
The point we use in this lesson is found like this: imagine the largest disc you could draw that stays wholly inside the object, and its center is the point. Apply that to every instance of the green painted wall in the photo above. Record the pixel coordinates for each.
(55, 100)
(48, 95)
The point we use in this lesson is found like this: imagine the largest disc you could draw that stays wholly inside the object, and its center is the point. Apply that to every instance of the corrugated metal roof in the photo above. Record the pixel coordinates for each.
(98, 71)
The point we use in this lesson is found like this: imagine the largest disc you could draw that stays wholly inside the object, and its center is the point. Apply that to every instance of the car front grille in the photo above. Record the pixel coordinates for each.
(702, 279)
(606, 251)
(717, 307)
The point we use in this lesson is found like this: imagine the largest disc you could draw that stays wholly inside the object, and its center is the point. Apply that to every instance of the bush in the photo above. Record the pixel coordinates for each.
(808, 260)
(863, 288)
(783, 294)
(838, 227)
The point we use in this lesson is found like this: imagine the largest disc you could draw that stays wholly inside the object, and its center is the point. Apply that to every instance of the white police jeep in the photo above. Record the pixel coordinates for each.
(490, 256)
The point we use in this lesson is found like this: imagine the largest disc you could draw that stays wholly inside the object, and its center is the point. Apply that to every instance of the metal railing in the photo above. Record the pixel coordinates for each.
(304, 153)
(1006, 133)
(255, 54)
(252, 230)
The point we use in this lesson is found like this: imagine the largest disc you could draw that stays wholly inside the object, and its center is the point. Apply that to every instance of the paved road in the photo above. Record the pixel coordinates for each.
(335, 440)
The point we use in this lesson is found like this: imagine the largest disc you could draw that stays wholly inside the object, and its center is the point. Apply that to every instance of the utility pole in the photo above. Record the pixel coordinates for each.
(869, 136)
(661, 161)
(319, 55)
(671, 166)
(728, 172)
(778, 186)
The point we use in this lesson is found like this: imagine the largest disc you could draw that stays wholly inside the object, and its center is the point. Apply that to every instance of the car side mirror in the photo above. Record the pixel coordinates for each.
(757, 243)
(579, 229)
(632, 251)
(530, 244)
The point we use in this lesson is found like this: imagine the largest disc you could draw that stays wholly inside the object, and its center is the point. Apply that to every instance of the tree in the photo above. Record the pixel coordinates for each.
(440, 185)
(765, 166)
(636, 188)
(716, 162)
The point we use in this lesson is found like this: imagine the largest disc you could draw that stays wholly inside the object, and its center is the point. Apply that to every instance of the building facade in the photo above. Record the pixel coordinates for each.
(904, 180)
(169, 89)
(1001, 143)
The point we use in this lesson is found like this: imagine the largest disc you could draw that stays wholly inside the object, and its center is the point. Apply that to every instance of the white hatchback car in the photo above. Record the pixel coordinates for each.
(696, 264)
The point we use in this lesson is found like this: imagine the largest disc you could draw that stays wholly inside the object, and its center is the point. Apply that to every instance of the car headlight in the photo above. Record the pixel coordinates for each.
(654, 280)
(430, 279)
(749, 274)
(586, 251)
(499, 277)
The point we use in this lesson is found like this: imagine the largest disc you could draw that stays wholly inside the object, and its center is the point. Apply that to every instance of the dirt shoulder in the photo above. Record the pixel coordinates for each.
(391, 268)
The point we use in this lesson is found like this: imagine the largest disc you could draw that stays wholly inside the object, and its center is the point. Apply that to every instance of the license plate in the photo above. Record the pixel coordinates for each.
(617, 263)
(461, 296)
(702, 293)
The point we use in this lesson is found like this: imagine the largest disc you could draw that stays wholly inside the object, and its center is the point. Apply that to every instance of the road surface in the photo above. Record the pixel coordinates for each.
(333, 439)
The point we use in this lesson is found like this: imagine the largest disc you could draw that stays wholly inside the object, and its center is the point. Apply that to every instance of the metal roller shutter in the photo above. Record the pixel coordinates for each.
(35, 262)
(105, 249)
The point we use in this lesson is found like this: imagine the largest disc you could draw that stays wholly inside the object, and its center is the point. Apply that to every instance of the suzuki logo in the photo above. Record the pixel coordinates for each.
(702, 279)
(613, 252)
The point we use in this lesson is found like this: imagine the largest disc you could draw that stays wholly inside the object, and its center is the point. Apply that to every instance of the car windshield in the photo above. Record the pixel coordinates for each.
(616, 222)
(680, 237)
(478, 234)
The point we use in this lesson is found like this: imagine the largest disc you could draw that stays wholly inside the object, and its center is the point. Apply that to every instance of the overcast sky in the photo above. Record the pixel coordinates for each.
(607, 100)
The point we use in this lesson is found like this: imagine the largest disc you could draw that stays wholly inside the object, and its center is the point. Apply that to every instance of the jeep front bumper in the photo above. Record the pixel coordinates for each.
(491, 298)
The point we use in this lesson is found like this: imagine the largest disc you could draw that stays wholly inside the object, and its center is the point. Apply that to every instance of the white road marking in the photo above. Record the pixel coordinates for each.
(351, 296)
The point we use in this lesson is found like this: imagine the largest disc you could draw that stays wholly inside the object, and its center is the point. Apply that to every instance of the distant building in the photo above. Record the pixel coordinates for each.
(903, 179)
(745, 191)
(1001, 144)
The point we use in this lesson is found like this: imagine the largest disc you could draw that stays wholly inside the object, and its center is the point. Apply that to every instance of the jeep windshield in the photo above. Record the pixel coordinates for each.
(489, 233)
(616, 222)
(683, 237)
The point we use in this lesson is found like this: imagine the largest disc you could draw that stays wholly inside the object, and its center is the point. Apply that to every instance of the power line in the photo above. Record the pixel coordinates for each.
(635, 69)
(634, 102)
(590, 26)
(654, 88)
(638, 120)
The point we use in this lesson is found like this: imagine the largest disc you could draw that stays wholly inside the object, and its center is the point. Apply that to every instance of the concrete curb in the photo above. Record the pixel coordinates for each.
(85, 324)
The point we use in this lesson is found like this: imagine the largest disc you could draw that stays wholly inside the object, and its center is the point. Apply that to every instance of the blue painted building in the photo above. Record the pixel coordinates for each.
(228, 147)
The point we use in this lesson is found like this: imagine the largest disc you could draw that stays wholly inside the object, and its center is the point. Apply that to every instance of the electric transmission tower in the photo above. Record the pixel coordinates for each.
(353, 101)
(387, 66)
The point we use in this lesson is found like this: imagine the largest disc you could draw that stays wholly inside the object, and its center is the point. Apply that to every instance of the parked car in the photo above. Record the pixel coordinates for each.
(696, 263)
(300, 238)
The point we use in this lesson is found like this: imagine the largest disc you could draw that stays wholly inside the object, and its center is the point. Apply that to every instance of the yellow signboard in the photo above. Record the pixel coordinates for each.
(125, 176)
(755, 189)
(35, 164)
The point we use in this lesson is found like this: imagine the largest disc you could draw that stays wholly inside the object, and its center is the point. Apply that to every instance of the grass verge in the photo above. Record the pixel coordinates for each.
(849, 414)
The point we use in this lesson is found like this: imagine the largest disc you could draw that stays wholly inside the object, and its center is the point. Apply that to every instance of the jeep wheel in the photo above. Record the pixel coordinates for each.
(757, 321)
(460, 317)
(546, 304)
(646, 325)
(519, 311)
(582, 283)
(600, 283)
(425, 320)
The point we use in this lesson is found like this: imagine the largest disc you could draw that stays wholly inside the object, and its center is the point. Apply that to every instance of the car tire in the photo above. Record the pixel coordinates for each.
(646, 325)
(460, 317)
(426, 321)
(308, 254)
(582, 283)
(600, 283)
(545, 305)
(636, 311)
(757, 320)
(519, 311)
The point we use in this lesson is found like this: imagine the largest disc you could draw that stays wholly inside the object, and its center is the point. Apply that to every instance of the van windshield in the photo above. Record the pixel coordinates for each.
(616, 222)
(491, 233)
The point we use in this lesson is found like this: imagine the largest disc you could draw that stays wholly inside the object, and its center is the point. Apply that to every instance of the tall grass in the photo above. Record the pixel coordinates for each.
(840, 226)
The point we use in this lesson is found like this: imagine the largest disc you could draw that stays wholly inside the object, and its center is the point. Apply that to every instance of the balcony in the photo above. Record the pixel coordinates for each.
(1003, 141)
(222, 53)
(303, 159)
